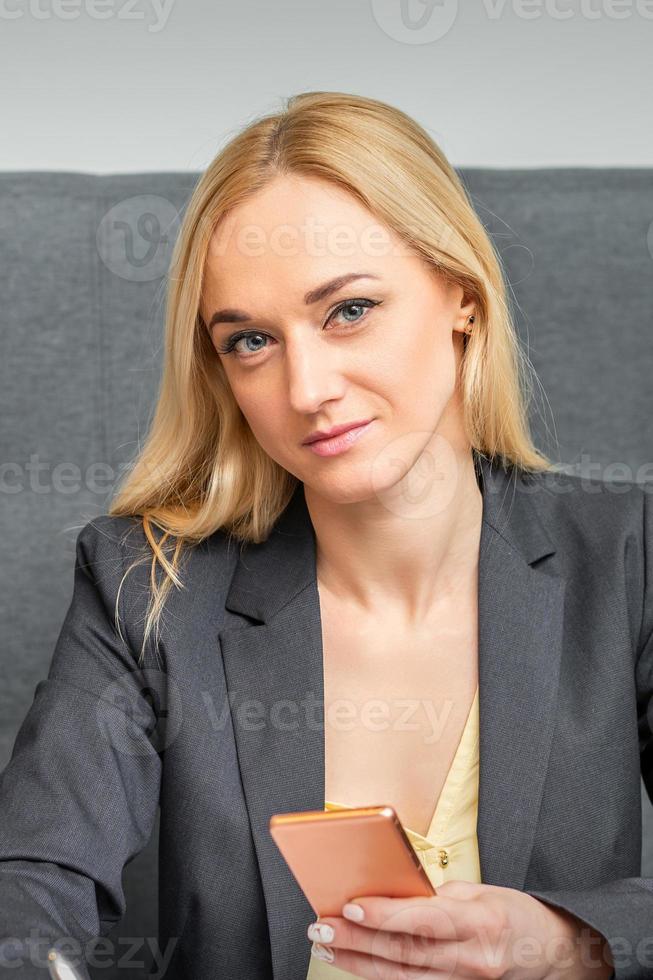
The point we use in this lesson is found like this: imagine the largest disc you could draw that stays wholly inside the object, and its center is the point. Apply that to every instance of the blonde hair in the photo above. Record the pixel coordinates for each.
(200, 468)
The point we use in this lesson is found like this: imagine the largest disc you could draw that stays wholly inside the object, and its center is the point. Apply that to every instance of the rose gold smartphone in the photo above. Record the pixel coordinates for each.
(336, 855)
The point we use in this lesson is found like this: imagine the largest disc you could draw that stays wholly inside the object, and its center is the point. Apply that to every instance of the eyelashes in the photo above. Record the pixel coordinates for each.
(229, 345)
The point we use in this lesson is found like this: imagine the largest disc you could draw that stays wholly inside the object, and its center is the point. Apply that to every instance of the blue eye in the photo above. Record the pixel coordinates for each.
(352, 305)
(247, 335)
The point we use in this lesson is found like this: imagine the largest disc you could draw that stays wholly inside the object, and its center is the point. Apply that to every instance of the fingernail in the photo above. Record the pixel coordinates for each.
(321, 931)
(322, 952)
(353, 912)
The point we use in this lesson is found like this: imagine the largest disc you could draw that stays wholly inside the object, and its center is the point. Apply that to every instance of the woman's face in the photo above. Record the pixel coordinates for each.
(384, 346)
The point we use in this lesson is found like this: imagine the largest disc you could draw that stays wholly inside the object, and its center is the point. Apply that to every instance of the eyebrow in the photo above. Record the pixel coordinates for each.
(312, 296)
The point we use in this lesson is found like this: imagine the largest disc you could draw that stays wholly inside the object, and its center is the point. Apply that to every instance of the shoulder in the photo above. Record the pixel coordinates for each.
(110, 537)
(602, 532)
(103, 547)
(105, 534)
(590, 508)
(115, 555)
(108, 546)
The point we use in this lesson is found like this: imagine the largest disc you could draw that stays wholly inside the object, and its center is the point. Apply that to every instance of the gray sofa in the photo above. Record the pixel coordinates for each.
(83, 260)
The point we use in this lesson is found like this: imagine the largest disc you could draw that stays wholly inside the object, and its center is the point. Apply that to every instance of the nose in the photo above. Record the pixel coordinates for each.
(314, 376)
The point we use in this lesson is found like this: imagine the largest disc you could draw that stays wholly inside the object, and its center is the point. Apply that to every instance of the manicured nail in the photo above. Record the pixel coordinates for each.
(353, 912)
(322, 953)
(321, 931)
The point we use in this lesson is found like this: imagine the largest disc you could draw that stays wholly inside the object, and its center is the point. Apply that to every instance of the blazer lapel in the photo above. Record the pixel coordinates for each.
(273, 672)
(272, 653)
(520, 626)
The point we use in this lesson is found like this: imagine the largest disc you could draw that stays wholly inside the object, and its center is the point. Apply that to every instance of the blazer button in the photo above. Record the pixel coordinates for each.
(444, 858)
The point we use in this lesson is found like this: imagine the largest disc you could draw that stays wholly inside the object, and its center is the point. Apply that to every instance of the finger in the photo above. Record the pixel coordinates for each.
(457, 888)
(397, 948)
(437, 917)
(378, 968)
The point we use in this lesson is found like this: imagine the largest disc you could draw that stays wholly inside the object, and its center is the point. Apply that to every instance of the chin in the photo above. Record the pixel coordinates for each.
(344, 488)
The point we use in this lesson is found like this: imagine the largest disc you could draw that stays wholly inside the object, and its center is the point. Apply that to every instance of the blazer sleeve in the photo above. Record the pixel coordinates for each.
(622, 909)
(79, 796)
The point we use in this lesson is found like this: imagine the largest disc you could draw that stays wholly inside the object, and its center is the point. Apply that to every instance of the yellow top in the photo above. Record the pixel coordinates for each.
(450, 849)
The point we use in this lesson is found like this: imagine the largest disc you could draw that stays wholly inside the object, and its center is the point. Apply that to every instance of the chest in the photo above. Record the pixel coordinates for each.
(396, 700)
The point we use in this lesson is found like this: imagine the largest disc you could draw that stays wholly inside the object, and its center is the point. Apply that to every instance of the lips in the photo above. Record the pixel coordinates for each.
(335, 431)
(335, 445)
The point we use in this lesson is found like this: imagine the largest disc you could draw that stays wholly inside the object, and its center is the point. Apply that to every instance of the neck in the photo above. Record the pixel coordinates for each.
(380, 554)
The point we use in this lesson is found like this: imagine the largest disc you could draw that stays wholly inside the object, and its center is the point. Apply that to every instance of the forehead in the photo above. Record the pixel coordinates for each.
(298, 231)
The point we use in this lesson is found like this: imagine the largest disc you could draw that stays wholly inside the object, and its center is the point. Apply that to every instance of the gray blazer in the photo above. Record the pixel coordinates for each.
(223, 727)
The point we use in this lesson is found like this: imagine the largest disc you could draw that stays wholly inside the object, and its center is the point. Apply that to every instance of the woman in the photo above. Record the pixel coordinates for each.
(331, 272)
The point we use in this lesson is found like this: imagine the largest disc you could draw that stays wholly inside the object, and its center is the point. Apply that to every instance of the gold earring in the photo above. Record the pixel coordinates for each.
(470, 320)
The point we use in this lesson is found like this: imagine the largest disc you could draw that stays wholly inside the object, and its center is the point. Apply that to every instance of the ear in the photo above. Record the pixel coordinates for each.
(467, 308)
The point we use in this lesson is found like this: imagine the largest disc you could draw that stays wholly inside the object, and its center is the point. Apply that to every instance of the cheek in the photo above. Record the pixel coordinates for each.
(250, 401)
(423, 373)
(265, 412)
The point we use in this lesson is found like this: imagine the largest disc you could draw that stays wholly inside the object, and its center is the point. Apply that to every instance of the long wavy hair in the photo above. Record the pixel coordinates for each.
(200, 468)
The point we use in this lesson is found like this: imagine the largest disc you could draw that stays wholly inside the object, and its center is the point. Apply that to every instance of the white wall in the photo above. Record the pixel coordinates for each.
(139, 85)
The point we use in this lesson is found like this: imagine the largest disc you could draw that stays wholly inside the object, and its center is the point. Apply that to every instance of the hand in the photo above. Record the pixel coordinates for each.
(465, 931)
